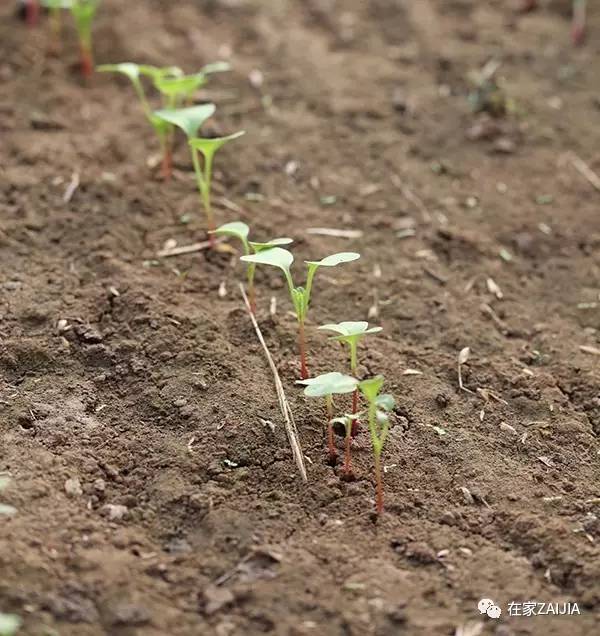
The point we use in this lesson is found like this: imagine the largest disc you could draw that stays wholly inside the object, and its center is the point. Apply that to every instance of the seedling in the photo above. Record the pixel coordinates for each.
(32, 12)
(300, 296)
(326, 386)
(379, 423)
(175, 88)
(351, 334)
(579, 18)
(240, 230)
(84, 12)
(348, 421)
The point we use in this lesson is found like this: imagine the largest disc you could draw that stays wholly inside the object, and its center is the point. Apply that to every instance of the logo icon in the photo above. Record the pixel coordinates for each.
(487, 606)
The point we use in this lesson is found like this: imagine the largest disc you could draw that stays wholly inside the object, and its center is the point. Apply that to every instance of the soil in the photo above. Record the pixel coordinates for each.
(155, 488)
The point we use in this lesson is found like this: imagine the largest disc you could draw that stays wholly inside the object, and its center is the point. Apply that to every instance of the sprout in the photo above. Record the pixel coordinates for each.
(32, 14)
(578, 25)
(300, 296)
(84, 12)
(208, 148)
(175, 88)
(328, 385)
(55, 7)
(379, 422)
(240, 230)
(351, 333)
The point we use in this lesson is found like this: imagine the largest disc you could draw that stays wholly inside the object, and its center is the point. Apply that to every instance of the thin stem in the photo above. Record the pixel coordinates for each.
(302, 348)
(87, 61)
(379, 505)
(330, 440)
(354, 370)
(309, 282)
(578, 26)
(167, 160)
(33, 12)
(201, 182)
(347, 458)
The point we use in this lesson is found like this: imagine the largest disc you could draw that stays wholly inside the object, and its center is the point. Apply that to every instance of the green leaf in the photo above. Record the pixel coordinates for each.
(155, 72)
(208, 147)
(131, 70)
(370, 388)
(329, 384)
(9, 624)
(275, 256)
(188, 119)
(385, 402)
(237, 228)
(4, 481)
(176, 86)
(349, 330)
(335, 259)
(215, 67)
(57, 4)
(261, 247)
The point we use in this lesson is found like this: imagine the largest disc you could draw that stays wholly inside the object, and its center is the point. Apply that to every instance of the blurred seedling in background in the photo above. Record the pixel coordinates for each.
(300, 296)
(326, 386)
(175, 88)
(189, 121)
(380, 406)
(487, 95)
(241, 231)
(579, 20)
(351, 333)
(55, 7)
(84, 12)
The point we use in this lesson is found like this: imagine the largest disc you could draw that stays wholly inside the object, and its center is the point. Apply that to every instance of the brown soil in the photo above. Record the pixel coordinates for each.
(156, 398)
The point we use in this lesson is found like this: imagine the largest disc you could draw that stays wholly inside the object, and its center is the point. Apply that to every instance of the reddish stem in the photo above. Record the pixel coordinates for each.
(33, 12)
(347, 458)
(578, 24)
(167, 164)
(330, 439)
(87, 62)
(355, 422)
(379, 507)
(578, 34)
(302, 347)
(252, 299)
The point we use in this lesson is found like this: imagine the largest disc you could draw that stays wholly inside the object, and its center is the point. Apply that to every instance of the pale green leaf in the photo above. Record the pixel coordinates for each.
(386, 402)
(370, 388)
(188, 119)
(335, 259)
(215, 67)
(276, 256)
(261, 247)
(328, 384)
(179, 86)
(7, 510)
(208, 147)
(236, 228)
(131, 70)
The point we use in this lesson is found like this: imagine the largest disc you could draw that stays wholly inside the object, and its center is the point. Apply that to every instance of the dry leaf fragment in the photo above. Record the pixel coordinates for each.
(591, 350)
(463, 356)
(494, 288)
(412, 372)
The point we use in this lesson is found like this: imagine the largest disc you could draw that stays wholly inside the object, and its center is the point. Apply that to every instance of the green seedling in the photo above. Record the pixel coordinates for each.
(187, 119)
(208, 148)
(174, 87)
(240, 230)
(84, 12)
(326, 386)
(55, 7)
(351, 333)
(379, 423)
(578, 24)
(300, 296)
